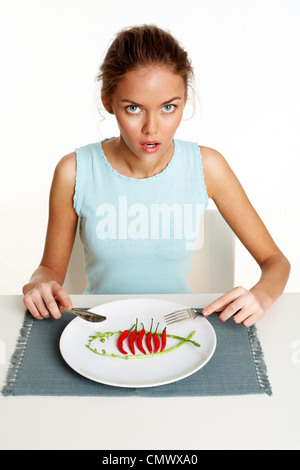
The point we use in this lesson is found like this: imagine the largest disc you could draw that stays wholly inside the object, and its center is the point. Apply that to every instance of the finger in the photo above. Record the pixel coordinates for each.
(251, 312)
(232, 309)
(29, 304)
(41, 307)
(216, 306)
(36, 297)
(224, 301)
(253, 319)
(62, 298)
(243, 314)
(250, 320)
(220, 304)
(51, 305)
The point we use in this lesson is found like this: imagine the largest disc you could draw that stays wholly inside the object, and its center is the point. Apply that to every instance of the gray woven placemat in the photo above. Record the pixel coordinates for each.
(37, 368)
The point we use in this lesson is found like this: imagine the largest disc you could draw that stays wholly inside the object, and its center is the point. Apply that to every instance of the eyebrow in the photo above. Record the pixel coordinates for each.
(165, 102)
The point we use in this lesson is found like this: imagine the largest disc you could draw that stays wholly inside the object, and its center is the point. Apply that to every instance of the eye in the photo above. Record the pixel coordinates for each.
(133, 109)
(169, 108)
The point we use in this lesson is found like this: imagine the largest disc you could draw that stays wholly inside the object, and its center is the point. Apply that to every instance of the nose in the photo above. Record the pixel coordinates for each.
(150, 125)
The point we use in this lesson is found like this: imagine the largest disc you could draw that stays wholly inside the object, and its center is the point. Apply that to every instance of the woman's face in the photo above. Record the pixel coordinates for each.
(148, 105)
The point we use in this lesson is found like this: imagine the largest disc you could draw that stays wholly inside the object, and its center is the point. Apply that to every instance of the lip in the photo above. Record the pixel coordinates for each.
(153, 149)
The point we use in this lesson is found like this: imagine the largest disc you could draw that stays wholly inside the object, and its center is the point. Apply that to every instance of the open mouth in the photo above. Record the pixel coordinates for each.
(150, 146)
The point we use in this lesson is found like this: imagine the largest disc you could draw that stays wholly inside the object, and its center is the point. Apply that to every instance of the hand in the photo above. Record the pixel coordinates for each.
(47, 299)
(243, 305)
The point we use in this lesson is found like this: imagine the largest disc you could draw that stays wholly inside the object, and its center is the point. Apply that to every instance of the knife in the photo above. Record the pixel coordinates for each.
(86, 315)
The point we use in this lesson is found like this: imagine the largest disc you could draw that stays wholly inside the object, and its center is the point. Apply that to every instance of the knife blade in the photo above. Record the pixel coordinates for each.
(86, 315)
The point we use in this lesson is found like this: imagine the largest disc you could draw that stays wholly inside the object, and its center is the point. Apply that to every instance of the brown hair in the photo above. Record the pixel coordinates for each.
(142, 45)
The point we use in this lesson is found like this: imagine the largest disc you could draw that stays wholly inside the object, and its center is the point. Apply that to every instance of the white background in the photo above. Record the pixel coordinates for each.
(246, 59)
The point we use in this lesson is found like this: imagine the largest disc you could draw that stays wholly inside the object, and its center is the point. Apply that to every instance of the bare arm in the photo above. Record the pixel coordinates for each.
(43, 294)
(227, 193)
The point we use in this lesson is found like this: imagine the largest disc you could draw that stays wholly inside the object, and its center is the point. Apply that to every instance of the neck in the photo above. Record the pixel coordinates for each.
(128, 164)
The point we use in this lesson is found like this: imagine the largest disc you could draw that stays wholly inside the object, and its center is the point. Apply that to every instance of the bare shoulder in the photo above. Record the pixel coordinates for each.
(215, 168)
(64, 178)
(212, 159)
(208, 152)
(66, 168)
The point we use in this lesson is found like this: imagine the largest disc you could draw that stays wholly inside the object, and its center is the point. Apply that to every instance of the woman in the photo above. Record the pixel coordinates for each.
(120, 188)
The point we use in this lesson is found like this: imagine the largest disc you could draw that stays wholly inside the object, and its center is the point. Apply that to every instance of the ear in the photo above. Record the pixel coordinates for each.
(106, 103)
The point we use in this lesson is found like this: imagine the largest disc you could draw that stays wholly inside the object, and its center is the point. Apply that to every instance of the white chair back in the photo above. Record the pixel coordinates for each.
(76, 279)
(212, 268)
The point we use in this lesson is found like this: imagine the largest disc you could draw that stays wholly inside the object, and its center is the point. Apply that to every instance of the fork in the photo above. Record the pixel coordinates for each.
(86, 315)
(183, 314)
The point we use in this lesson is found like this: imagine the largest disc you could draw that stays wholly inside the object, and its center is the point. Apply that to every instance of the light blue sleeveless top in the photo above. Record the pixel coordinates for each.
(139, 234)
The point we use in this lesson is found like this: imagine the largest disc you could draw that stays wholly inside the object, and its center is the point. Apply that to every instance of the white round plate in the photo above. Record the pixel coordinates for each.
(145, 372)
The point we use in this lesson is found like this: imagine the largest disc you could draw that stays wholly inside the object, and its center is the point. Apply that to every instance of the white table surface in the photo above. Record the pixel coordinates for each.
(237, 422)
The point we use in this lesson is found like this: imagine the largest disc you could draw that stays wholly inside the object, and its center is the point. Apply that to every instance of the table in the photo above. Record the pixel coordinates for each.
(239, 422)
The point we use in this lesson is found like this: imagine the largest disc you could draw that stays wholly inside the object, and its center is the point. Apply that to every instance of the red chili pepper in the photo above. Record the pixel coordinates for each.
(132, 337)
(139, 340)
(121, 339)
(149, 338)
(163, 339)
(156, 340)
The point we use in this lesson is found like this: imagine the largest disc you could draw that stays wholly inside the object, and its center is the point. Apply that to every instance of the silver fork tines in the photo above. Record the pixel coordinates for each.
(183, 314)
